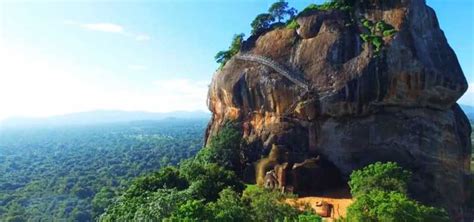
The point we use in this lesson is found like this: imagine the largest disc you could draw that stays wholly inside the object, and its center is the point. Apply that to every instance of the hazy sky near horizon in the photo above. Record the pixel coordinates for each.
(59, 57)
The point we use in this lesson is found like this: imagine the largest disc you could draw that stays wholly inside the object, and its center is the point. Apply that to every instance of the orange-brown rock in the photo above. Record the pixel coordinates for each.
(361, 107)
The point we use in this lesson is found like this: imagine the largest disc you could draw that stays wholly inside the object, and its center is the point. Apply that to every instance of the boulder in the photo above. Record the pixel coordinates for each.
(361, 106)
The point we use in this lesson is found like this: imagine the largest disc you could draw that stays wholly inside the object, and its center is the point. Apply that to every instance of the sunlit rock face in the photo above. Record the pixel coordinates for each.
(362, 106)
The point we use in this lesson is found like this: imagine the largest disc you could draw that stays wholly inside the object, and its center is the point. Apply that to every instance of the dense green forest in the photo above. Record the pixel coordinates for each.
(73, 172)
(206, 187)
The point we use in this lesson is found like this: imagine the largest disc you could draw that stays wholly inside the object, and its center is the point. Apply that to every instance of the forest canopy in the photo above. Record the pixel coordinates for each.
(74, 173)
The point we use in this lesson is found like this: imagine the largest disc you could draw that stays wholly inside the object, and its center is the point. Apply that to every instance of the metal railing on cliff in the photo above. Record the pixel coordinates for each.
(293, 75)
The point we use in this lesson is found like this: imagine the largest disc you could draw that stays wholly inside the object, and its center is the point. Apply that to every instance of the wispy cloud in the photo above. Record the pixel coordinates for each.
(104, 27)
(110, 28)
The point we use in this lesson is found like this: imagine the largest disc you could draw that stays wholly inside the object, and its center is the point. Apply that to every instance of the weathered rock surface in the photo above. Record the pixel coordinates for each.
(399, 105)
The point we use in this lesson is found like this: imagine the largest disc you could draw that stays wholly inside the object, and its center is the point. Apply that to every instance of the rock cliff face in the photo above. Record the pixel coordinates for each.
(360, 106)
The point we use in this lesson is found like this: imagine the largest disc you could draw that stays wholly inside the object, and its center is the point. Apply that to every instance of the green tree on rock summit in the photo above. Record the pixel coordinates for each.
(279, 10)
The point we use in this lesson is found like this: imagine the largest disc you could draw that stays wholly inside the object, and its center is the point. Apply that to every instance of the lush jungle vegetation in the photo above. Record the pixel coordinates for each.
(73, 173)
(203, 188)
(157, 171)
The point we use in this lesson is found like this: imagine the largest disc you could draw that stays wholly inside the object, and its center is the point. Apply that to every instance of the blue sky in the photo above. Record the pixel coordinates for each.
(68, 56)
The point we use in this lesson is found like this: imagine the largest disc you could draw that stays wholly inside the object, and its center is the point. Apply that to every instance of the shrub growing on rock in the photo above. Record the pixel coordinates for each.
(208, 180)
(343, 5)
(223, 57)
(261, 22)
(379, 205)
(379, 176)
(292, 24)
(280, 10)
(309, 217)
(380, 192)
(269, 205)
(375, 32)
(223, 149)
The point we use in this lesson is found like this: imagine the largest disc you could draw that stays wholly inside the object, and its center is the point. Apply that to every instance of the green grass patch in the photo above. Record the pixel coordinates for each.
(292, 24)
(251, 187)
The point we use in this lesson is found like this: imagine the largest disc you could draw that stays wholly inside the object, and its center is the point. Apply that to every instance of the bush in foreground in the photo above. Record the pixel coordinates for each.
(269, 205)
(379, 176)
(392, 206)
(380, 192)
(230, 207)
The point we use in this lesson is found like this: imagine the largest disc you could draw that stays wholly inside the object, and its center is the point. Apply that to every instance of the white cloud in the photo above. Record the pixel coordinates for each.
(103, 27)
(110, 28)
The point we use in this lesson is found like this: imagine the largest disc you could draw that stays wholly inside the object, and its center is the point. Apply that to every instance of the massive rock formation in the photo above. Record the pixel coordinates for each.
(359, 106)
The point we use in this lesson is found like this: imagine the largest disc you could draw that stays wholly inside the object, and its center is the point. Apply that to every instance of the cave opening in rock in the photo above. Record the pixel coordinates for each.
(316, 176)
(299, 173)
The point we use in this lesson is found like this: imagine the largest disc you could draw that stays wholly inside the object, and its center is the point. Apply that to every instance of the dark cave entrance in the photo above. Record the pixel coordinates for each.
(299, 173)
(317, 178)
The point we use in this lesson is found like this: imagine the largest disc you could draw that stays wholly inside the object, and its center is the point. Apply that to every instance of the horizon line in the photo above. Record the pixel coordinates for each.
(99, 110)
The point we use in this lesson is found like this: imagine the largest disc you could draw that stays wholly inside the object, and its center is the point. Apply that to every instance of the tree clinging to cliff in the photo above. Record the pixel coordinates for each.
(261, 22)
(279, 10)
(223, 56)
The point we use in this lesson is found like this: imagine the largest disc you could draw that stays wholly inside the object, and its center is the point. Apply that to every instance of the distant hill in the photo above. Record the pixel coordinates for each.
(99, 117)
(469, 110)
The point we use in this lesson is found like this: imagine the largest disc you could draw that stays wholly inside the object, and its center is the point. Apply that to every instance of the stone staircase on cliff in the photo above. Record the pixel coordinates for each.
(293, 75)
